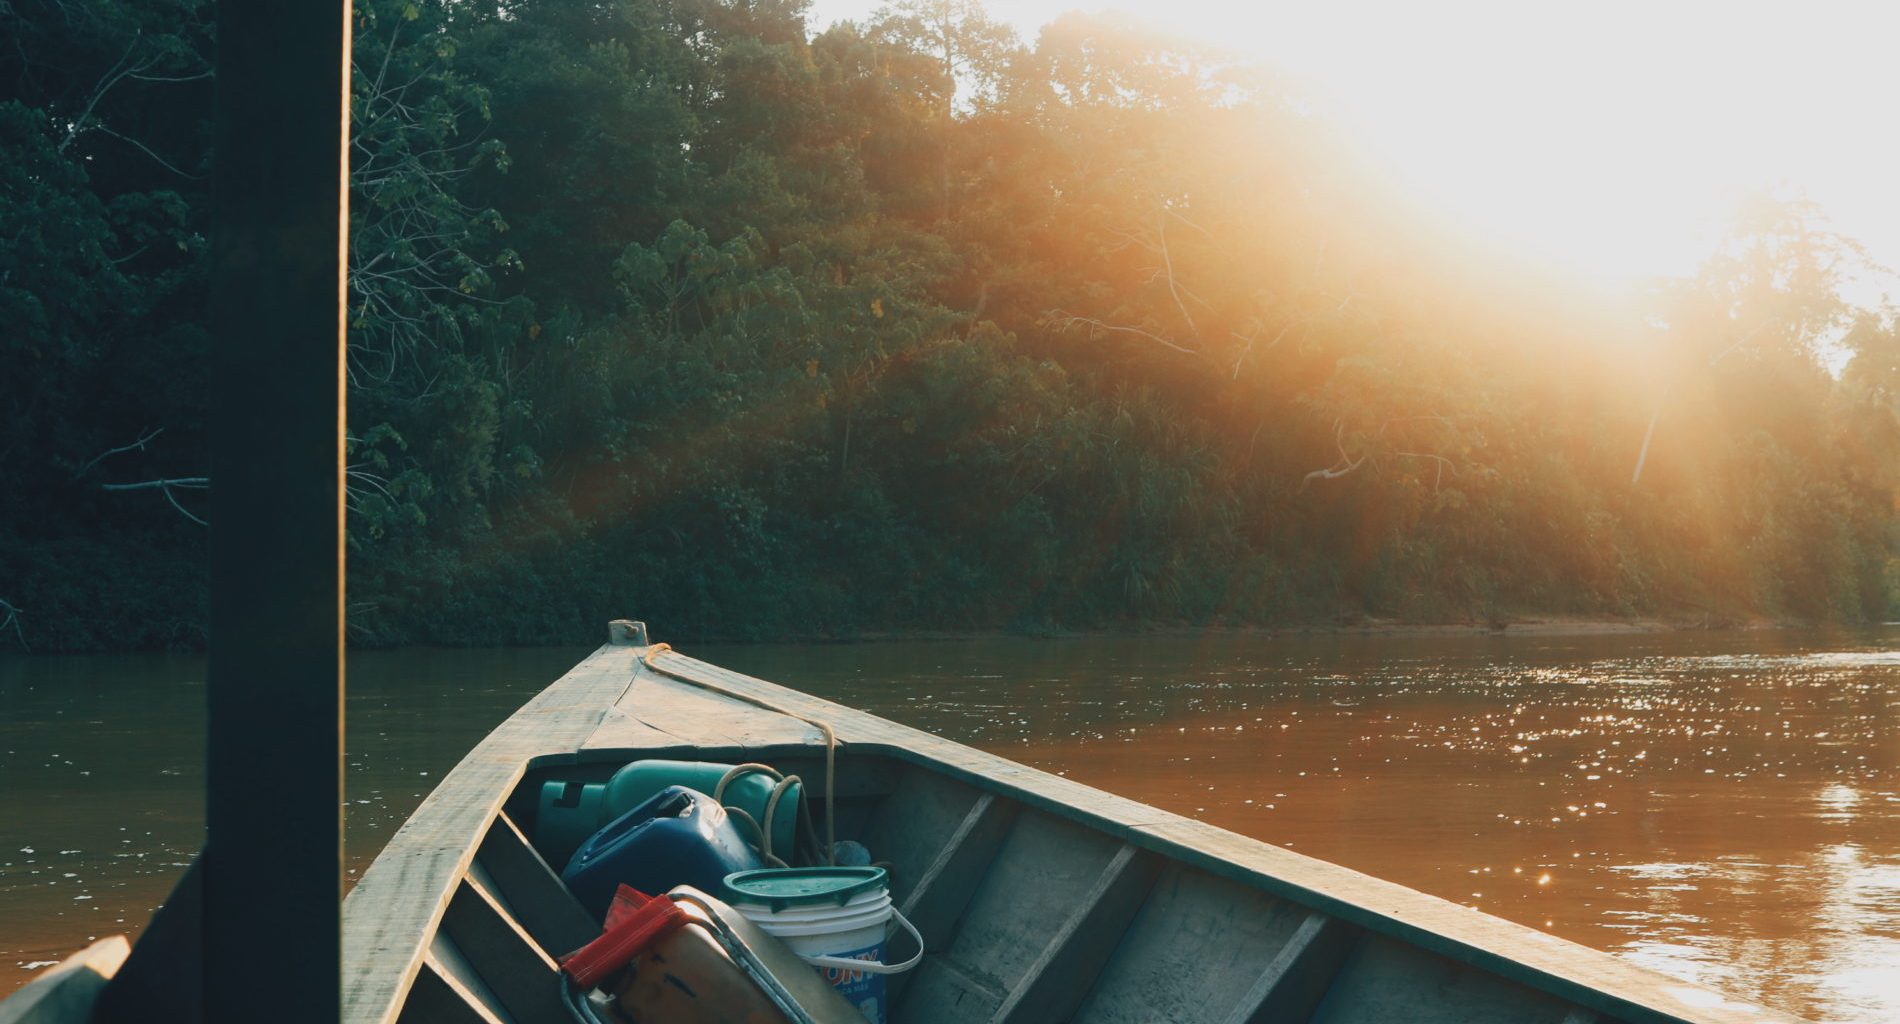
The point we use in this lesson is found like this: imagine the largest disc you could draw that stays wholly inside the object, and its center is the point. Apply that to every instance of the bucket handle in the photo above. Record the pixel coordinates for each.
(872, 966)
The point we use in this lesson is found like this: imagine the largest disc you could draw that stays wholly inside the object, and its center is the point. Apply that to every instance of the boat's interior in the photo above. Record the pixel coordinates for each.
(1030, 912)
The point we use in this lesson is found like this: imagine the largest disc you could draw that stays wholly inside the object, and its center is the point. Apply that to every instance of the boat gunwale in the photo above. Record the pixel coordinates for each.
(381, 962)
(1246, 860)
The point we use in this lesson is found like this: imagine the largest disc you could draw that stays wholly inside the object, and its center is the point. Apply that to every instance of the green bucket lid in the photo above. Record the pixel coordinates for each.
(779, 888)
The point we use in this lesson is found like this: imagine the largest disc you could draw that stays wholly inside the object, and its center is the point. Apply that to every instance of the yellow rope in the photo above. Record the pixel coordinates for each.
(831, 738)
(784, 784)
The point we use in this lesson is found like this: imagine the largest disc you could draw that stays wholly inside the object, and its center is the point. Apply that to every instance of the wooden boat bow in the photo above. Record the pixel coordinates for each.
(460, 913)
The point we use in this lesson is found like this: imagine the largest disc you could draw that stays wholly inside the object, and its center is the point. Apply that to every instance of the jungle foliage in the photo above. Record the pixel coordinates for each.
(673, 308)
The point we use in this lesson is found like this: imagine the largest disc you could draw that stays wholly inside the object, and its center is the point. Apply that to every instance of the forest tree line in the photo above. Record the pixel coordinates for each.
(678, 309)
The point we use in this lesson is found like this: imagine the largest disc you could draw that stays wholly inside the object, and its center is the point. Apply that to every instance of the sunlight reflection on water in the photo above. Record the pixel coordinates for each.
(1725, 817)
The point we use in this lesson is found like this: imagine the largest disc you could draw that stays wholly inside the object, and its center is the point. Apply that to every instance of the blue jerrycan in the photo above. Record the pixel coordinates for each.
(679, 836)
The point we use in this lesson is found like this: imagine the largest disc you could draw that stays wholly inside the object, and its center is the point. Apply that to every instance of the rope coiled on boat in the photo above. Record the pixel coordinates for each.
(651, 659)
(764, 829)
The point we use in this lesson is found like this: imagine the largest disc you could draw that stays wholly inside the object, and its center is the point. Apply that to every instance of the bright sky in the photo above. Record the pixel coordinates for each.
(1606, 138)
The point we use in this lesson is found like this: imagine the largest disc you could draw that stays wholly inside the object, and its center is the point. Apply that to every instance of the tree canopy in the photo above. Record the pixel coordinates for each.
(675, 308)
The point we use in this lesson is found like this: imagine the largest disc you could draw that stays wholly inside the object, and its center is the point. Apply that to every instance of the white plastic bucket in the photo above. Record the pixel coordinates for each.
(844, 942)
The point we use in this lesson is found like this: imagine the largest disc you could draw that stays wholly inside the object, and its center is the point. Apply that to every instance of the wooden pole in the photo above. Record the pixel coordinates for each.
(274, 793)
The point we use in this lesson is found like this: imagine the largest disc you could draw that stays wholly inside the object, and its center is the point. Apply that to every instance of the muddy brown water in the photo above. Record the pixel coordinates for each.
(1721, 807)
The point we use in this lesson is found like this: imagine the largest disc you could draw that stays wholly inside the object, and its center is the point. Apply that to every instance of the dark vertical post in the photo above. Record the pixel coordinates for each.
(273, 808)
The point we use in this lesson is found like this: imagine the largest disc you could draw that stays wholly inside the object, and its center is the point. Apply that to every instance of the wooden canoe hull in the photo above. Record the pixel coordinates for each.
(1040, 899)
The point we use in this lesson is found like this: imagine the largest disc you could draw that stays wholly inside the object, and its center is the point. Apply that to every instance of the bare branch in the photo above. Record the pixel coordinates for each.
(167, 486)
(106, 82)
(1746, 338)
(147, 150)
(13, 619)
(136, 446)
(353, 495)
(1177, 215)
(1346, 463)
(182, 510)
(1443, 464)
(191, 482)
(1255, 336)
(172, 78)
(1063, 321)
(1167, 263)
(1128, 238)
(1332, 472)
(1376, 449)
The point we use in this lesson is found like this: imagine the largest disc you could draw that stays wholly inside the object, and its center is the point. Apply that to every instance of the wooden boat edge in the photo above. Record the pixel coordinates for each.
(1569, 970)
(66, 991)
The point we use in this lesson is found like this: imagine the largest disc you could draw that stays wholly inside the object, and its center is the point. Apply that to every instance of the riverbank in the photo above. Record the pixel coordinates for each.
(1527, 624)
(1524, 625)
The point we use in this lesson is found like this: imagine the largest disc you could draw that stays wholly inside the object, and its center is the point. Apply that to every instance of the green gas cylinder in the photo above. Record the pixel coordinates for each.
(571, 811)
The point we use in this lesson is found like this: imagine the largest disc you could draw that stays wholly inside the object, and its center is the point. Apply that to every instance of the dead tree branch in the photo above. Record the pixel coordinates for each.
(13, 619)
(147, 150)
(136, 446)
(1739, 345)
(359, 485)
(1065, 321)
(192, 482)
(111, 78)
(1346, 463)
(1252, 336)
(1443, 464)
(1167, 265)
(167, 486)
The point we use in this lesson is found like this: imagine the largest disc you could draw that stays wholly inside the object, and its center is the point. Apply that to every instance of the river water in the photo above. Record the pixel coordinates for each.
(1721, 807)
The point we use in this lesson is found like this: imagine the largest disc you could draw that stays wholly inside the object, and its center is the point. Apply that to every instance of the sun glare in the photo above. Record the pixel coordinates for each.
(1608, 140)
